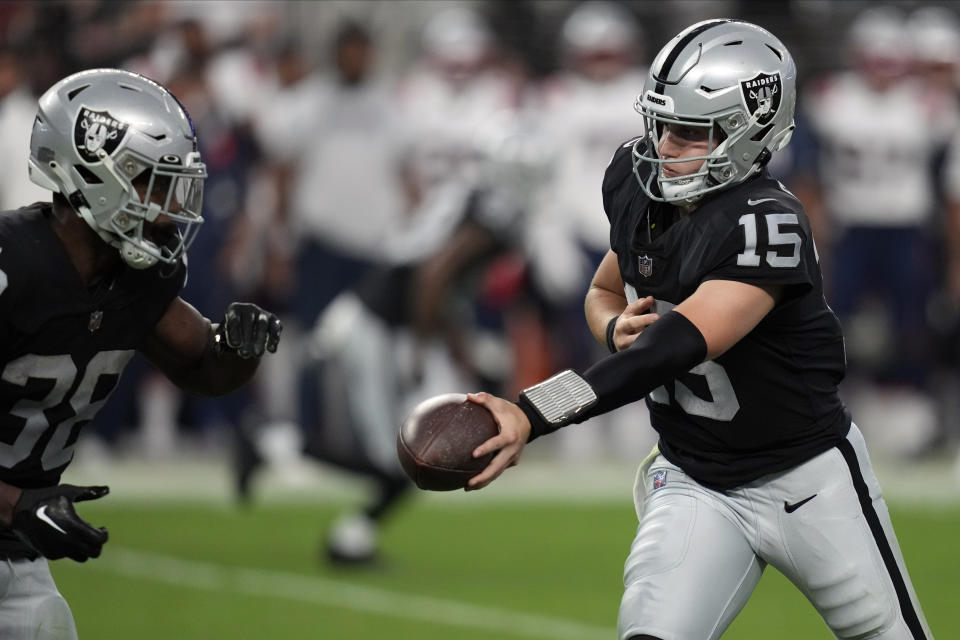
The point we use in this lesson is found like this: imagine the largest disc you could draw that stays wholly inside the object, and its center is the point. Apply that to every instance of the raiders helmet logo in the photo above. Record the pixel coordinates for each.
(96, 130)
(761, 95)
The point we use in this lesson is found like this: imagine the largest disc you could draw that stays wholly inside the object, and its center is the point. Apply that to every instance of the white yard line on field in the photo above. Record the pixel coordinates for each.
(344, 595)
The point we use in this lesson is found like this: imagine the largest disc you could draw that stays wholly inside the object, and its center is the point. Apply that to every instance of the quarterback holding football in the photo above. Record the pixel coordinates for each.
(711, 302)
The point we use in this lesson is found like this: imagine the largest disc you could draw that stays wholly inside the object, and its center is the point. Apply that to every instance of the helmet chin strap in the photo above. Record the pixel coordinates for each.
(134, 256)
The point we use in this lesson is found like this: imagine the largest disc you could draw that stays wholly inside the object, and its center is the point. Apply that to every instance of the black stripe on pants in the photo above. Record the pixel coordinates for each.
(880, 537)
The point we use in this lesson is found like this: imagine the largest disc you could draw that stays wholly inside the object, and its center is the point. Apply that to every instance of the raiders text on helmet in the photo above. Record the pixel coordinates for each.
(735, 80)
(123, 151)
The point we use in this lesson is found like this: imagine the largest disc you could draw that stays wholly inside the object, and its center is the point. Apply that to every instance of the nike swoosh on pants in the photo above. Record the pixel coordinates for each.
(790, 508)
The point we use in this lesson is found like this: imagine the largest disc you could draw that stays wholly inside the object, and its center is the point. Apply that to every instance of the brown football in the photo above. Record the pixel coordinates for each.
(436, 441)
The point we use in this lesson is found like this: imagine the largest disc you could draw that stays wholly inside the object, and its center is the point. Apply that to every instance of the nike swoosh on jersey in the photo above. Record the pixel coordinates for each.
(754, 203)
(790, 508)
(42, 515)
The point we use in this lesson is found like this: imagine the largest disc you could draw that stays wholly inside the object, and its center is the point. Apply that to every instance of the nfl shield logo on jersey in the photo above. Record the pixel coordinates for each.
(645, 265)
(659, 479)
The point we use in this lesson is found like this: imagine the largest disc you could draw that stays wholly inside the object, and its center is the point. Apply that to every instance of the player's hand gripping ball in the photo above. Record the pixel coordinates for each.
(436, 442)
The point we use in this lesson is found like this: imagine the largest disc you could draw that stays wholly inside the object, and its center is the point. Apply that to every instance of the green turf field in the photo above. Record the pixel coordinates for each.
(510, 570)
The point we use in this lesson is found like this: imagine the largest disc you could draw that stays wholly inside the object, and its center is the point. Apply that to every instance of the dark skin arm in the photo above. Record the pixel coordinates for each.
(434, 277)
(9, 495)
(432, 284)
(182, 347)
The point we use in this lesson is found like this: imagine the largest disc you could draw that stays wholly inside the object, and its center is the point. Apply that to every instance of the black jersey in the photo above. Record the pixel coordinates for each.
(771, 401)
(62, 345)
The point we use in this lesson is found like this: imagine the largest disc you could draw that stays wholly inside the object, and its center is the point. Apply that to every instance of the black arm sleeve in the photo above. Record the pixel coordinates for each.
(667, 348)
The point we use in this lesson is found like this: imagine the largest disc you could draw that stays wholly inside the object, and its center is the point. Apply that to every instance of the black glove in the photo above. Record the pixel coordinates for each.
(247, 330)
(46, 520)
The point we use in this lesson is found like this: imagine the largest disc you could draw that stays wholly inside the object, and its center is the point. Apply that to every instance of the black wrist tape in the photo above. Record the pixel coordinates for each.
(538, 426)
(664, 350)
(611, 326)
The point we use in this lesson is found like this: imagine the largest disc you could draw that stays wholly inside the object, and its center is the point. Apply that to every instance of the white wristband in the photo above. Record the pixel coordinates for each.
(561, 398)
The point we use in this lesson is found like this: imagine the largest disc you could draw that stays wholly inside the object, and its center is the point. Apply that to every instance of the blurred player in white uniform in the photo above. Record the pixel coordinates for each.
(935, 32)
(406, 331)
(454, 88)
(588, 102)
(872, 205)
(935, 41)
(457, 87)
(588, 106)
(338, 139)
(18, 107)
(332, 138)
(402, 309)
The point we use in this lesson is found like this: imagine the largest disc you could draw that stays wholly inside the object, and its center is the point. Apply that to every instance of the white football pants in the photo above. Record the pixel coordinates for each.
(31, 607)
(699, 554)
(387, 372)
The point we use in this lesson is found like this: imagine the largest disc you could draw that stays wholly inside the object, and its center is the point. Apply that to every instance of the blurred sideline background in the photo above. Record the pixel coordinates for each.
(415, 188)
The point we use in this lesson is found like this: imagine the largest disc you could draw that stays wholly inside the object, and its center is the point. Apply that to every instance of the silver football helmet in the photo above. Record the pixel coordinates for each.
(735, 83)
(123, 151)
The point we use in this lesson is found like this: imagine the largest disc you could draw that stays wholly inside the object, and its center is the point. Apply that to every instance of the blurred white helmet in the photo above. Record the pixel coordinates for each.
(517, 157)
(123, 151)
(458, 37)
(600, 26)
(935, 35)
(731, 82)
(878, 39)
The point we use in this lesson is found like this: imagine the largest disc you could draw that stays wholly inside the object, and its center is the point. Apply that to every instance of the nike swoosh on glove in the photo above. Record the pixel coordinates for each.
(46, 520)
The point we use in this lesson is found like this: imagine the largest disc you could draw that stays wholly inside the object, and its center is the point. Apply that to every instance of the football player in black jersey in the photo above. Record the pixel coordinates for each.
(84, 282)
(711, 300)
